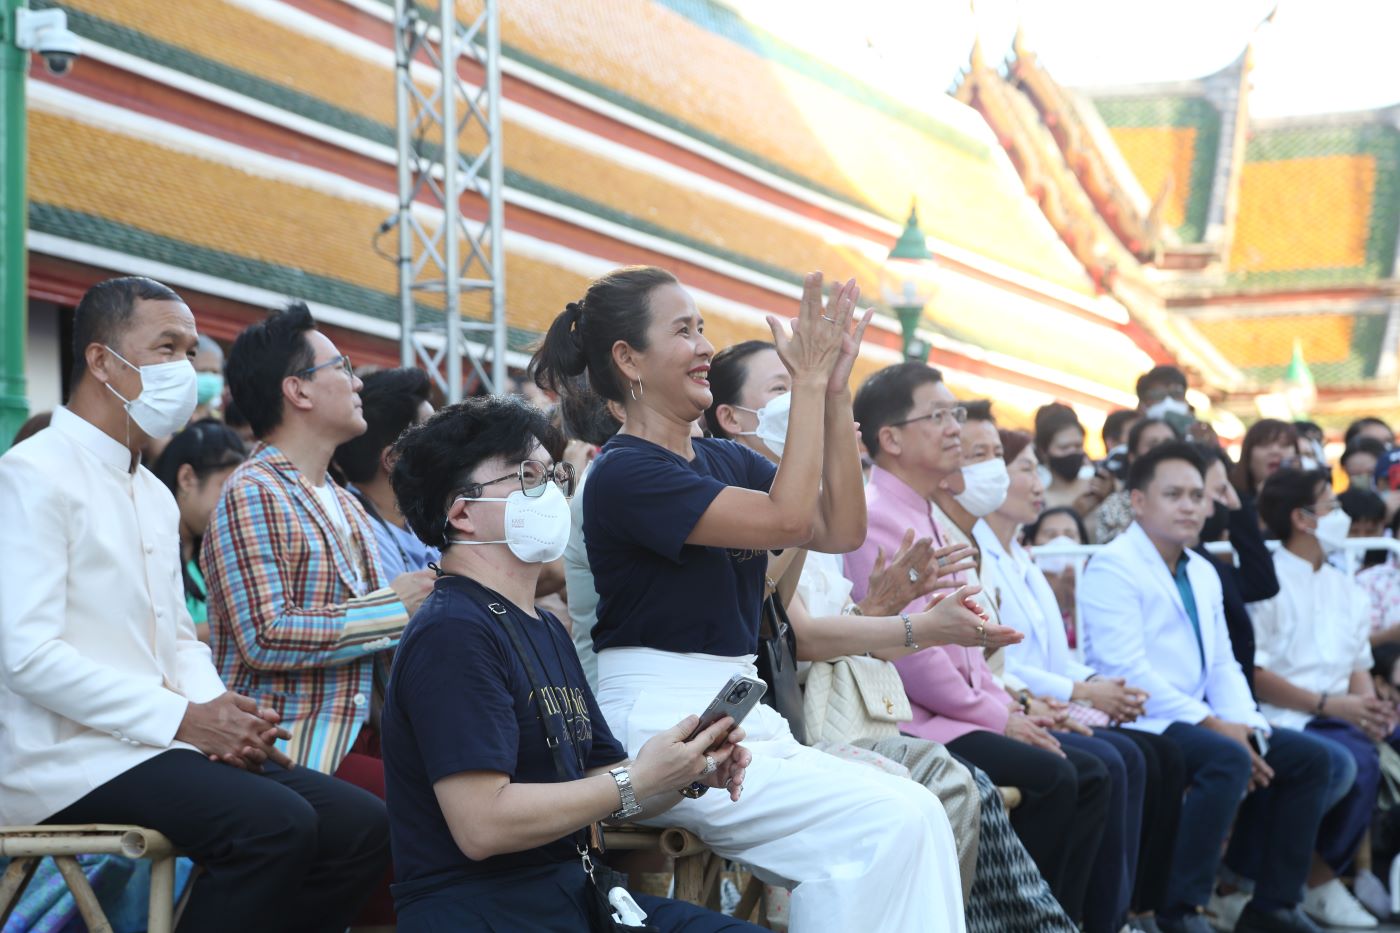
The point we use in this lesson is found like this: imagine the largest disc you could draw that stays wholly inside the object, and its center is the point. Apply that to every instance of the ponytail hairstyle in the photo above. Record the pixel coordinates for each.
(729, 370)
(616, 307)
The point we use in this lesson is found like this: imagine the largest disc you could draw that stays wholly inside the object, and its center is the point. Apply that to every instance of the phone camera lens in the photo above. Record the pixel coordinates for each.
(738, 693)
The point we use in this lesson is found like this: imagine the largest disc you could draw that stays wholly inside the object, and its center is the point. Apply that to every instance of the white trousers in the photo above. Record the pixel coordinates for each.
(861, 850)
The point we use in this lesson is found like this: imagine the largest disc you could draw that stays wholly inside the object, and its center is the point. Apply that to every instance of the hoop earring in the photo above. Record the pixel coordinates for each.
(639, 392)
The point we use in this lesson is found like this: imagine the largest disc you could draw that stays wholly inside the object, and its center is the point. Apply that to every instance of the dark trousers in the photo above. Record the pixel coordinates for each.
(1111, 885)
(1064, 802)
(1164, 785)
(1275, 827)
(284, 850)
(1344, 825)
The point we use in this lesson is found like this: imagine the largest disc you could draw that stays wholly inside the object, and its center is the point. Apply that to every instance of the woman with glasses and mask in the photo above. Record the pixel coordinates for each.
(678, 532)
(498, 764)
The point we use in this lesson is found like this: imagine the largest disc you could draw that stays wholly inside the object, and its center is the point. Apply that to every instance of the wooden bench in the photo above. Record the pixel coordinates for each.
(29, 845)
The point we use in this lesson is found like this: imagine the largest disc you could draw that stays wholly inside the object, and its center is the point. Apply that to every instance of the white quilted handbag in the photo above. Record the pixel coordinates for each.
(854, 697)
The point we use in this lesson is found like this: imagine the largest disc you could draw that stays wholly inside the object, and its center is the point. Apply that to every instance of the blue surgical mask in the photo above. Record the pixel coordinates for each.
(211, 389)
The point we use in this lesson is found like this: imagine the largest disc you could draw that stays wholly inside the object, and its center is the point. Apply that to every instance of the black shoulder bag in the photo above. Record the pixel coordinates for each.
(601, 878)
(777, 664)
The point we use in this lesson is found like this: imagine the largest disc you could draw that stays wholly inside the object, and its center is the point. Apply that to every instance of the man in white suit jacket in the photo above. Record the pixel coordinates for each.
(1153, 613)
(111, 710)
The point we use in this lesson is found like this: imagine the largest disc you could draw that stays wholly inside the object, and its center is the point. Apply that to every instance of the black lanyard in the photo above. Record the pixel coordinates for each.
(556, 731)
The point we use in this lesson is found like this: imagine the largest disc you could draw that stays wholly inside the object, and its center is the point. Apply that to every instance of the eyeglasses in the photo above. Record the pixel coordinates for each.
(939, 417)
(342, 361)
(533, 476)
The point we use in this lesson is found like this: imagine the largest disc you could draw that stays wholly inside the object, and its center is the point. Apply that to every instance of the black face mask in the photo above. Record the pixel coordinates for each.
(1217, 523)
(1066, 467)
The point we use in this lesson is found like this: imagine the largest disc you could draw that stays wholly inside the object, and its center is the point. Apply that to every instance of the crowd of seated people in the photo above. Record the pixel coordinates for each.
(332, 662)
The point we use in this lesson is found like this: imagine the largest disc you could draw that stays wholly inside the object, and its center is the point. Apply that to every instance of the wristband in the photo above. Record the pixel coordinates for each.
(1321, 702)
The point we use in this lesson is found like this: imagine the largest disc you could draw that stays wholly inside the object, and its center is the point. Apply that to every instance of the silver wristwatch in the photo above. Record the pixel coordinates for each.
(630, 807)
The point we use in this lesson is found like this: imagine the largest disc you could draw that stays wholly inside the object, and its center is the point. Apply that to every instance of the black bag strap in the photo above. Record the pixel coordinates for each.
(555, 733)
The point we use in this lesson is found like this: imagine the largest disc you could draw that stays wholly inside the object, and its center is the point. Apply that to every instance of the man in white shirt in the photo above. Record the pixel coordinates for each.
(111, 710)
(1313, 672)
(1154, 614)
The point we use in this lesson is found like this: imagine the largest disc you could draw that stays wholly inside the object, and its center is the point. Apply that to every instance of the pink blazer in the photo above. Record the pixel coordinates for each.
(953, 693)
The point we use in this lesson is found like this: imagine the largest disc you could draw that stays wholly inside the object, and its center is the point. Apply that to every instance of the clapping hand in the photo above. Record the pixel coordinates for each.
(816, 348)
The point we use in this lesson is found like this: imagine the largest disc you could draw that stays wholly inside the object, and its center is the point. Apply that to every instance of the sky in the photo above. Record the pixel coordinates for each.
(1316, 56)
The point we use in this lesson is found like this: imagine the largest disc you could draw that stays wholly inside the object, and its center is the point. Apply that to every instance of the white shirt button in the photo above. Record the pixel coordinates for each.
(358, 699)
(150, 549)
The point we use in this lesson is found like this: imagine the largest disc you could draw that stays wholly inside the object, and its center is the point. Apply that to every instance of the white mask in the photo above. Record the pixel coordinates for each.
(537, 529)
(1332, 529)
(985, 485)
(169, 393)
(1167, 406)
(1050, 564)
(772, 422)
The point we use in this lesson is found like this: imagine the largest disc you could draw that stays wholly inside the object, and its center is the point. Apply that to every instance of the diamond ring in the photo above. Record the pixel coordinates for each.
(710, 765)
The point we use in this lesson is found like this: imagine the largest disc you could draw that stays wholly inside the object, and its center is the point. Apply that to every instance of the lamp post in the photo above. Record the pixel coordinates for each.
(22, 31)
(14, 61)
(907, 285)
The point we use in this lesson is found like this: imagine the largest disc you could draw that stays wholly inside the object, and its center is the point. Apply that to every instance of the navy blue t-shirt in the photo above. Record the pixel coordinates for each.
(459, 700)
(654, 590)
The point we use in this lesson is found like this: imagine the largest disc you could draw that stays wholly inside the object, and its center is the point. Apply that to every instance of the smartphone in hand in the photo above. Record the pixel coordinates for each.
(736, 699)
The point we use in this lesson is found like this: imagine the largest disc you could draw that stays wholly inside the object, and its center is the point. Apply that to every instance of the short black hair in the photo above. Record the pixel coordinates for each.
(586, 417)
(1212, 454)
(980, 410)
(1309, 429)
(267, 352)
(433, 461)
(1361, 424)
(1363, 505)
(1362, 445)
(389, 400)
(1139, 429)
(104, 313)
(1033, 528)
(1287, 489)
(888, 396)
(1165, 375)
(206, 445)
(1113, 424)
(1144, 468)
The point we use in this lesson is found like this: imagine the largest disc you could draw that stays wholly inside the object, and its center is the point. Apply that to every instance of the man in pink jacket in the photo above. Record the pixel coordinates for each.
(912, 427)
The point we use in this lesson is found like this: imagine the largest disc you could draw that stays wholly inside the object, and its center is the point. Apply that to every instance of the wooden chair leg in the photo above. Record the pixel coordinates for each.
(88, 907)
(12, 885)
(690, 878)
(752, 897)
(714, 870)
(160, 918)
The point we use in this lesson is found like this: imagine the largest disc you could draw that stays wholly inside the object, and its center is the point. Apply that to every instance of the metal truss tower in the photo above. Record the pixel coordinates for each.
(459, 254)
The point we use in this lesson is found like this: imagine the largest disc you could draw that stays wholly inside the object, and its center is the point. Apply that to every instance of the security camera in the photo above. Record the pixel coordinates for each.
(46, 32)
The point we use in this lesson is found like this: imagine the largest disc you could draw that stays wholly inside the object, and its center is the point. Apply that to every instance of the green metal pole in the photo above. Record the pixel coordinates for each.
(909, 316)
(14, 265)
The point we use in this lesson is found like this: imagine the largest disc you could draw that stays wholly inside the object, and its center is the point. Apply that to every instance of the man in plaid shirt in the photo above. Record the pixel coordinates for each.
(300, 616)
